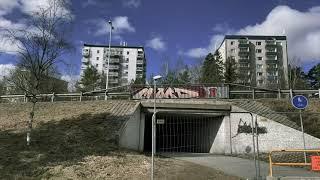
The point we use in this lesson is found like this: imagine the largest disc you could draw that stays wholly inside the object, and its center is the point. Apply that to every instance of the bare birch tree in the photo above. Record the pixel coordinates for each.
(40, 45)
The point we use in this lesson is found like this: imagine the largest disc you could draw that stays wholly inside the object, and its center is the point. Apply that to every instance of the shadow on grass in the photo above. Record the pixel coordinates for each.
(64, 142)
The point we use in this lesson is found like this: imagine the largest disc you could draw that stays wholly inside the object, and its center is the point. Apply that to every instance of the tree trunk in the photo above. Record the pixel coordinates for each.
(30, 122)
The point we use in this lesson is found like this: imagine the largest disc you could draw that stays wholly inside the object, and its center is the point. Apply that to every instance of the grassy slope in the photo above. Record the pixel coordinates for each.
(76, 140)
(311, 121)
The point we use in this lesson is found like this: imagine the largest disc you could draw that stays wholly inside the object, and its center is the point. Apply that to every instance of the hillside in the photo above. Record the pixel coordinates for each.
(311, 121)
(77, 140)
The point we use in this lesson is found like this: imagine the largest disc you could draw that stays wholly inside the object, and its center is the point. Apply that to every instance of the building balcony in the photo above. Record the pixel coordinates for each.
(139, 61)
(271, 43)
(113, 67)
(271, 53)
(113, 81)
(272, 78)
(113, 74)
(85, 52)
(272, 61)
(114, 60)
(245, 49)
(244, 60)
(243, 43)
(244, 53)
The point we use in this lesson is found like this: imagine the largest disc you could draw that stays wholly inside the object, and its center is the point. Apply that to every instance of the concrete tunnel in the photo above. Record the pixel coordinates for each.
(181, 127)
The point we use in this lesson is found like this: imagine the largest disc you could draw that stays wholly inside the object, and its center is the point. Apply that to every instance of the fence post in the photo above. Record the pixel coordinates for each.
(25, 97)
(52, 97)
(80, 96)
(279, 94)
(291, 94)
(253, 91)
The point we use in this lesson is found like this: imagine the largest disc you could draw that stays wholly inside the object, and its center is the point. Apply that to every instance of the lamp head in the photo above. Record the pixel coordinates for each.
(157, 77)
(109, 22)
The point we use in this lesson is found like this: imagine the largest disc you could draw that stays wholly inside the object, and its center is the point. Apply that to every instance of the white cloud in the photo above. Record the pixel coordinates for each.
(27, 7)
(200, 52)
(5, 69)
(131, 3)
(6, 6)
(121, 25)
(89, 3)
(156, 43)
(301, 28)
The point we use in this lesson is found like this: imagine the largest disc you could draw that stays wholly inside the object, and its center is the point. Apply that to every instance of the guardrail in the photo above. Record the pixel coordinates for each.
(271, 164)
(186, 91)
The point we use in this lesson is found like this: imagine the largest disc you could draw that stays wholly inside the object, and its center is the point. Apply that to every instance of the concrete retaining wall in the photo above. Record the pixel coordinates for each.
(132, 132)
(277, 136)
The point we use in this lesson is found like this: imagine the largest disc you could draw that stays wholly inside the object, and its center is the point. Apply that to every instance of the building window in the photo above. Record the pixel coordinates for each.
(260, 82)
(97, 58)
(258, 51)
(127, 60)
(259, 58)
(233, 50)
(97, 65)
(233, 58)
(98, 51)
(259, 66)
(258, 43)
(232, 42)
(259, 73)
(127, 52)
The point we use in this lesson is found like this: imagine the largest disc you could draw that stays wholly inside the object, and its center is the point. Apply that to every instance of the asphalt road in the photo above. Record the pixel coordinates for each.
(240, 167)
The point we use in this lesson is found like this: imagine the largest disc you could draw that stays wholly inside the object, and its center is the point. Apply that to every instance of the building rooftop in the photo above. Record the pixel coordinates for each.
(254, 37)
(112, 46)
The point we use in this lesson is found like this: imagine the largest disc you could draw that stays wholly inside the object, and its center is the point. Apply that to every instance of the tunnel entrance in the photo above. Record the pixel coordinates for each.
(182, 132)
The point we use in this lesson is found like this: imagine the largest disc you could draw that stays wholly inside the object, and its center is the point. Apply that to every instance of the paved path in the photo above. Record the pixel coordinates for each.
(240, 167)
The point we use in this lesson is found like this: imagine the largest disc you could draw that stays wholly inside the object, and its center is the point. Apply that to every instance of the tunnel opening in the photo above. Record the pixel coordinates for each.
(193, 133)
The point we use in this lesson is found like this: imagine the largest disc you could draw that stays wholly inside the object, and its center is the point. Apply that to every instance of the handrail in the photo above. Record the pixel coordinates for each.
(289, 164)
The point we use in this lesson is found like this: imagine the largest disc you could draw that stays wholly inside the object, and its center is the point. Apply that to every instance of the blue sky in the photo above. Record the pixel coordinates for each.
(180, 29)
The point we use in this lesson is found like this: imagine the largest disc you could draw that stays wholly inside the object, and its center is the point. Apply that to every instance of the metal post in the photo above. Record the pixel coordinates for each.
(52, 97)
(108, 63)
(279, 94)
(319, 93)
(25, 97)
(304, 142)
(257, 135)
(253, 93)
(291, 94)
(153, 129)
(80, 97)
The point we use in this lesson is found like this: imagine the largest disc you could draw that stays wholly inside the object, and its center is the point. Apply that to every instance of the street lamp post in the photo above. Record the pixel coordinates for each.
(108, 63)
(155, 78)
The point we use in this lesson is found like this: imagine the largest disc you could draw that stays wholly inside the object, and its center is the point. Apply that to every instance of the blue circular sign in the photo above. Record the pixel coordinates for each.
(299, 102)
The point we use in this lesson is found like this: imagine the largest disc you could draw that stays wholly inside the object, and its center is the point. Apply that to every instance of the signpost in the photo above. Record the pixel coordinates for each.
(301, 102)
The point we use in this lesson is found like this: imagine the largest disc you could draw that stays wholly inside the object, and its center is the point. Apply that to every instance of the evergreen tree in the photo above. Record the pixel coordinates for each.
(184, 77)
(230, 74)
(212, 69)
(314, 76)
(90, 79)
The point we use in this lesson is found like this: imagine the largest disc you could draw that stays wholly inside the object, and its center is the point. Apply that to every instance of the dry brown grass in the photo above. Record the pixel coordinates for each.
(77, 140)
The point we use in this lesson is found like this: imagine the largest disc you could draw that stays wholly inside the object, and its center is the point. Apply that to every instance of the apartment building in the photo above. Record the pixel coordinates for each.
(262, 61)
(127, 63)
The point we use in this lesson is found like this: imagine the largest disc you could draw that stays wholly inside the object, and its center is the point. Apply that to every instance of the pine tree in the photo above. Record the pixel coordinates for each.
(212, 69)
(314, 76)
(90, 79)
(184, 77)
(230, 74)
